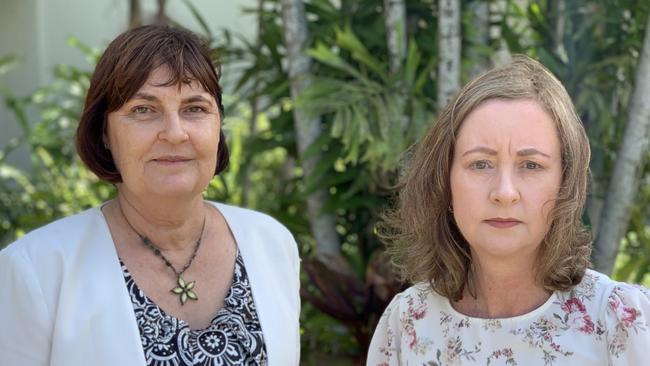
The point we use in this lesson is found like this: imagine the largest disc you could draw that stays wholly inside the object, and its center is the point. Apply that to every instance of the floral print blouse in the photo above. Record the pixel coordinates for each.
(598, 322)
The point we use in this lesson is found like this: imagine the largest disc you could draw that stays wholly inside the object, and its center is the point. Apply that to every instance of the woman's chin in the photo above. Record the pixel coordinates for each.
(174, 188)
(176, 193)
(167, 186)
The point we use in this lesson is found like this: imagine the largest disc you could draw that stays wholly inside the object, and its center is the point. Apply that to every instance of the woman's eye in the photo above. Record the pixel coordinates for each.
(196, 109)
(480, 165)
(531, 166)
(141, 109)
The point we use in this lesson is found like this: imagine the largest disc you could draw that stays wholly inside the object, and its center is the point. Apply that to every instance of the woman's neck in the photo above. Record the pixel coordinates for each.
(502, 291)
(172, 225)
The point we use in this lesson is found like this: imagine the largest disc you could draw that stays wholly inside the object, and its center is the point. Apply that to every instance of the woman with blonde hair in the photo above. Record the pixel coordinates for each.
(488, 229)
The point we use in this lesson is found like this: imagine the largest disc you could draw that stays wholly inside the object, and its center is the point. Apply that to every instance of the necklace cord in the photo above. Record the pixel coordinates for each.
(158, 253)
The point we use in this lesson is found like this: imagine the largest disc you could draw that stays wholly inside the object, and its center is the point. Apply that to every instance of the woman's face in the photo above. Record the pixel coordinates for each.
(164, 139)
(505, 175)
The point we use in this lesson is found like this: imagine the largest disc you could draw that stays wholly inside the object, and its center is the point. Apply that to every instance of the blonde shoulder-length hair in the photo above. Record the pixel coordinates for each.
(422, 238)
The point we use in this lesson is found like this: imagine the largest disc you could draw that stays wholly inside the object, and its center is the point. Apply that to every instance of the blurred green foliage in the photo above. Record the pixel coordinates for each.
(56, 184)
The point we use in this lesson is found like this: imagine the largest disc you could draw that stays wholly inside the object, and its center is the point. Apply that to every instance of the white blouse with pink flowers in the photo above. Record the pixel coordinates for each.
(599, 322)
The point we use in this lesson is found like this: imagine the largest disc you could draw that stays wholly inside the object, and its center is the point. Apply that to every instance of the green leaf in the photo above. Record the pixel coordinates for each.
(424, 76)
(349, 41)
(323, 54)
(317, 146)
(324, 164)
(412, 63)
(8, 63)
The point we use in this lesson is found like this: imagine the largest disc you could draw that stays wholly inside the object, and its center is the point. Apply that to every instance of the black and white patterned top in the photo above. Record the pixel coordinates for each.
(234, 336)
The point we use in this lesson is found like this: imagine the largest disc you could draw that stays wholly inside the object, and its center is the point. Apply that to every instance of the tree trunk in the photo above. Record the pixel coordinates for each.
(161, 14)
(624, 182)
(448, 50)
(395, 17)
(396, 40)
(135, 14)
(557, 11)
(323, 225)
(498, 13)
(479, 37)
(255, 106)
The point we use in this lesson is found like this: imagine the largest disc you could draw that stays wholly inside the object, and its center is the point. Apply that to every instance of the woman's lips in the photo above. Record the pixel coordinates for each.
(171, 161)
(502, 224)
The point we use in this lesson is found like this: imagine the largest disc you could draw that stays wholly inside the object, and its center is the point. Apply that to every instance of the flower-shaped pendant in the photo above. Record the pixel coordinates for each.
(184, 290)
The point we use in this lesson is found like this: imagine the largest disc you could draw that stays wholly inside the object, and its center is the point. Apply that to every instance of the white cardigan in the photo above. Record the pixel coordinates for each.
(63, 300)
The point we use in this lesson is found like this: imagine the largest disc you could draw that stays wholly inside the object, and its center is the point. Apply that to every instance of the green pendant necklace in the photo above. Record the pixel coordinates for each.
(184, 290)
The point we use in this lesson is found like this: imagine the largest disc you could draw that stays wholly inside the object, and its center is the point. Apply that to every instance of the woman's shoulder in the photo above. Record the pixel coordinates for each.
(54, 236)
(415, 302)
(624, 310)
(42, 255)
(622, 306)
(259, 234)
(600, 286)
(597, 293)
(236, 215)
(622, 301)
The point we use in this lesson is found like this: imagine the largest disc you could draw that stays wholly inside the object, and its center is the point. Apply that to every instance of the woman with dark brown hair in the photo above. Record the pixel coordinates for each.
(157, 276)
(488, 229)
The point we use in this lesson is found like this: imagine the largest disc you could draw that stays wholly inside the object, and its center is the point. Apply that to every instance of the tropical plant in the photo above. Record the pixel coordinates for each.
(57, 184)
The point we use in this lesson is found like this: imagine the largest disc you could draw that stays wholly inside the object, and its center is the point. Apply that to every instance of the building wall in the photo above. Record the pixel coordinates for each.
(18, 36)
(37, 31)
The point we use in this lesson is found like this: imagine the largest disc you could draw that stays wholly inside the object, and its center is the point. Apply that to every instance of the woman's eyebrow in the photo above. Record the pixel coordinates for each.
(145, 96)
(531, 151)
(523, 152)
(196, 98)
(481, 149)
(153, 98)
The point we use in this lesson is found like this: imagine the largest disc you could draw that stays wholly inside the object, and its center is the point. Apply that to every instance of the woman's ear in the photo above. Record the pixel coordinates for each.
(105, 141)
(107, 146)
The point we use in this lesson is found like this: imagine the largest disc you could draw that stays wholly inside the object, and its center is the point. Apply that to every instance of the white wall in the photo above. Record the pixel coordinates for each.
(37, 32)
(18, 36)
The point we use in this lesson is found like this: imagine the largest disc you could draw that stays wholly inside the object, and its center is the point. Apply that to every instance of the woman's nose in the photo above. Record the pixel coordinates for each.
(173, 129)
(505, 191)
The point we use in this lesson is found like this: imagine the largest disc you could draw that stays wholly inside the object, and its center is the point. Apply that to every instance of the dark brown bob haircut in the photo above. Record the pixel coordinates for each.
(422, 236)
(122, 70)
